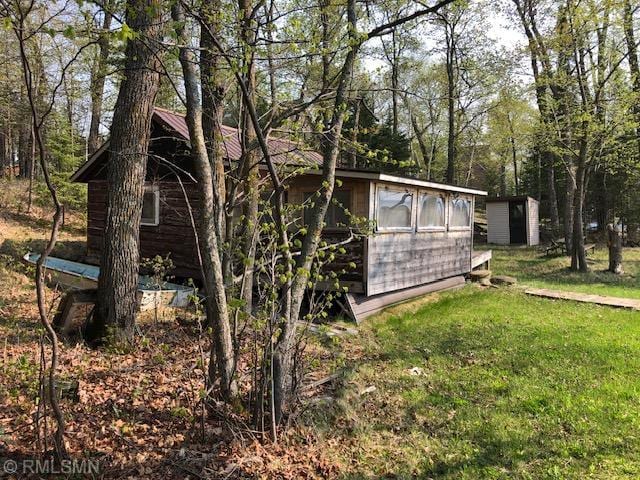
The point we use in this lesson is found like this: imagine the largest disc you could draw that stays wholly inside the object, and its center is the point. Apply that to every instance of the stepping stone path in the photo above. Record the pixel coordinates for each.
(483, 277)
(503, 280)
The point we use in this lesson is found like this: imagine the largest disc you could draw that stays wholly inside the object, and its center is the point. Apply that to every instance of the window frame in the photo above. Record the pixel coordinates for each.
(348, 190)
(436, 193)
(413, 191)
(468, 199)
(155, 189)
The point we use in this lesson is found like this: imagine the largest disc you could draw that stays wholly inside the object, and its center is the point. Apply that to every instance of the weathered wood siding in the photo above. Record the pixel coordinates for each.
(173, 235)
(406, 259)
(498, 223)
(359, 189)
(533, 222)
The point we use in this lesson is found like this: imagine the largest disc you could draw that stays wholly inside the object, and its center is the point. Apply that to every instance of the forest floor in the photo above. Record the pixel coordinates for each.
(476, 383)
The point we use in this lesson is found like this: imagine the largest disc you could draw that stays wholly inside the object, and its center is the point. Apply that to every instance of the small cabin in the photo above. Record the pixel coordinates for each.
(513, 221)
(423, 230)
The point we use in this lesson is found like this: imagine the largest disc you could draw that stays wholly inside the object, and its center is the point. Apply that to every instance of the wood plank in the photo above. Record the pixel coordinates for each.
(478, 258)
(620, 302)
(403, 260)
(362, 306)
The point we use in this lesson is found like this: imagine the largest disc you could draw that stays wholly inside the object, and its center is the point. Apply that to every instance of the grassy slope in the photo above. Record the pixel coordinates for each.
(513, 386)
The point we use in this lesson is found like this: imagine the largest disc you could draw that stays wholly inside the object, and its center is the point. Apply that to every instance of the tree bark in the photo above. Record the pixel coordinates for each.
(634, 68)
(250, 157)
(614, 233)
(116, 307)
(284, 354)
(451, 89)
(569, 208)
(222, 364)
(98, 77)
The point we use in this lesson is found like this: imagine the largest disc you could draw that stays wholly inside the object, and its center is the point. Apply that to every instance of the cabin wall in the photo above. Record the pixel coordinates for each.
(405, 259)
(498, 223)
(173, 235)
(298, 186)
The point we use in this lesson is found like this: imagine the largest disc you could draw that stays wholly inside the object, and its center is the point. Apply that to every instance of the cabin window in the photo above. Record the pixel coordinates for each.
(151, 206)
(460, 216)
(337, 216)
(394, 210)
(431, 211)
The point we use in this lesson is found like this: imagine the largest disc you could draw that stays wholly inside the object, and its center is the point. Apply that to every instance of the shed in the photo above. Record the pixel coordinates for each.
(513, 221)
(423, 231)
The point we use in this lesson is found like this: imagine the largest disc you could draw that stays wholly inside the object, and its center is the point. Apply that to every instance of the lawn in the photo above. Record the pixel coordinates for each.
(535, 269)
(503, 385)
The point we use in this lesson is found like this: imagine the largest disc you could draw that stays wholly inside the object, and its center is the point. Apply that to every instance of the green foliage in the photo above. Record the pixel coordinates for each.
(72, 195)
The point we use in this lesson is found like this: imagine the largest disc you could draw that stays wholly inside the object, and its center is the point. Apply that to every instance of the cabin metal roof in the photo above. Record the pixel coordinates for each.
(283, 151)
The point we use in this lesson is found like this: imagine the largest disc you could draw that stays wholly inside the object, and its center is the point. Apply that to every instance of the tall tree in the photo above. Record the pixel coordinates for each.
(116, 306)
(98, 77)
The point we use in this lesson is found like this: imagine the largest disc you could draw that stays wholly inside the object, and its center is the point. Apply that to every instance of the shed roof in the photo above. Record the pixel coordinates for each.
(509, 198)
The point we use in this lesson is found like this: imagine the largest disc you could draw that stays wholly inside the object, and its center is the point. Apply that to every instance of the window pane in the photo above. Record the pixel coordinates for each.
(431, 211)
(336, 216)
(394, 209)
(339, 216)
(149, 207)
(460, 212)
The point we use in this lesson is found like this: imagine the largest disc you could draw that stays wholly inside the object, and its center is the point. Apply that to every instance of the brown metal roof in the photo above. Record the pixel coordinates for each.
(282, 150)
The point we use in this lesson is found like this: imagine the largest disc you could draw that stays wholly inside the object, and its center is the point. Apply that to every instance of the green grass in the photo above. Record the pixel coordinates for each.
(511, 386)
(531, 267)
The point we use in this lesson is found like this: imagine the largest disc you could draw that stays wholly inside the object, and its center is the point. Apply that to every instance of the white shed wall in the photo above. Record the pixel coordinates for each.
(533, 225)
(498, 223)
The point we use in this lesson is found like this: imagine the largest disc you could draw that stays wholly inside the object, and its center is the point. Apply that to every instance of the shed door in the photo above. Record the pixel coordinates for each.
(517, 222)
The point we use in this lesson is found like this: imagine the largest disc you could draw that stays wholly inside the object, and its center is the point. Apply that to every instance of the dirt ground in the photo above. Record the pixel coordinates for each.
(136, 412)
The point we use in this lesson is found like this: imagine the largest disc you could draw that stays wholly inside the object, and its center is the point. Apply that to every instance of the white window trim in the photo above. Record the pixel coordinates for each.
(446, 211)
(155, 189)
(450, 210)
(408, 229)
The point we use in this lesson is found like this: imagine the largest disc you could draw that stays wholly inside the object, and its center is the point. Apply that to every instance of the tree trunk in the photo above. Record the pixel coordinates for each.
(98, 76)
(634, 68)
(503, 179)
(354, 134)
(285, 349)
(451, 125)
(213, 90)
(569, 207)
(614, 233)
(118, 282)
(222, 356)
(553, 196)
(578, 254)
(394, 82)
(514, 154)
(250, 158)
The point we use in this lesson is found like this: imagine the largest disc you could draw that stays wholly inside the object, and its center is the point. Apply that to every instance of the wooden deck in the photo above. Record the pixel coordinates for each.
(619, 302)
(480, 258)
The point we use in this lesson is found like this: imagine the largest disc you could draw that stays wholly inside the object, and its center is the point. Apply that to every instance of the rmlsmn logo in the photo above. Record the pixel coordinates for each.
(50, 467)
